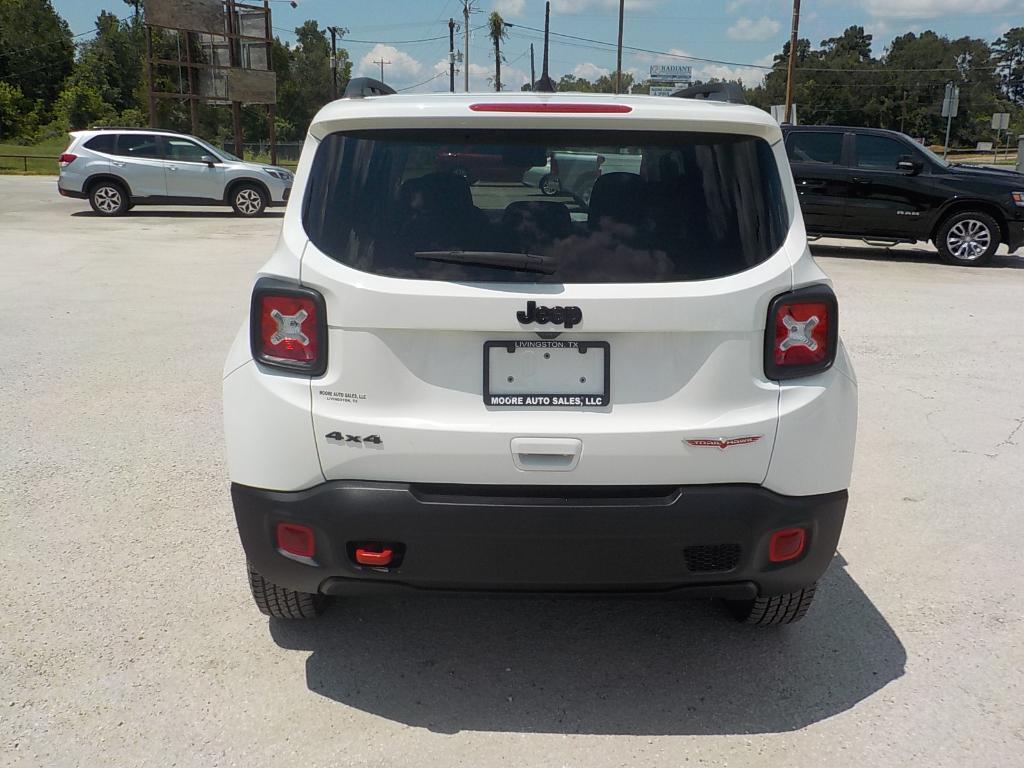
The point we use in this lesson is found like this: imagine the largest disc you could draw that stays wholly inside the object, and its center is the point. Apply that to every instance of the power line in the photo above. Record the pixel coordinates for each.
(386, 42)
(409, 88)
(608, 47)
(58, 42)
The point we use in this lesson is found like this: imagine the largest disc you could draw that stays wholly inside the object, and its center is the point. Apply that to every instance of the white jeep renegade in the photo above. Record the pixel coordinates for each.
(449, 380)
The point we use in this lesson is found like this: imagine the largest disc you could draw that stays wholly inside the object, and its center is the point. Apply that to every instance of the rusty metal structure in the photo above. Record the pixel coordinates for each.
(224, 56)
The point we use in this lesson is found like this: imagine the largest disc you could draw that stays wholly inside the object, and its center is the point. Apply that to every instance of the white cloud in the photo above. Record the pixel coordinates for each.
(927, 9)
(590, 71)
(400, 67)
(750, 29)
(582, 6)
(735, 5)
(510, 8)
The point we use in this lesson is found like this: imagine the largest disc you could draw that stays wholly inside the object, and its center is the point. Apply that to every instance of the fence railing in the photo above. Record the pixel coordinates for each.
(24, 159)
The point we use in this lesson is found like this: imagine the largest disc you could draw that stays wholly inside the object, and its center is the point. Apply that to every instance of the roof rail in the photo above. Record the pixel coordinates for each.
(728, 92)
(130, 128)
(361, 87)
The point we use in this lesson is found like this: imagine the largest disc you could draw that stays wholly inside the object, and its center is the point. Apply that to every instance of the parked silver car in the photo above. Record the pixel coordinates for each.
(116, 169)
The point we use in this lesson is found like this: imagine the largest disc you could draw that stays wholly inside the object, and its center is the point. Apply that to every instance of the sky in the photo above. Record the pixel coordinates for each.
(739, 32)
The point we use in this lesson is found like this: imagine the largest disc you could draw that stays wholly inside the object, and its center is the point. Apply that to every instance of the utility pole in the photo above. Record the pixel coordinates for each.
(334, 62)
(792, 62)
(465, 56)
(545, 84)
(533, 73)
(234, 59)
(451, 55)
(618, 55)
(382, 62)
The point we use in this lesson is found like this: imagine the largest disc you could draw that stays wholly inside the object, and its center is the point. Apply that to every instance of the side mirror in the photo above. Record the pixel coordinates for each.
(210, 160)
(909, 165)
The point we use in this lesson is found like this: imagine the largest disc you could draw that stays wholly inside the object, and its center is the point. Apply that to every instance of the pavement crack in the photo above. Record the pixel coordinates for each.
(1013, 433)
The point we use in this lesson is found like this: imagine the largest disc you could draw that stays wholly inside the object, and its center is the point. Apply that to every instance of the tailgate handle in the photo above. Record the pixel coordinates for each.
(546, 454)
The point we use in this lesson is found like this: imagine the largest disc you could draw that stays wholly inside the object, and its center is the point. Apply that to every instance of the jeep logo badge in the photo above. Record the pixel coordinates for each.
(567, 316)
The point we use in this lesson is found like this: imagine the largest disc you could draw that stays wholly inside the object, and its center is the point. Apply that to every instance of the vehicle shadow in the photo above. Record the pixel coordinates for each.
(597, 666)
(163, 214)
(914, 255)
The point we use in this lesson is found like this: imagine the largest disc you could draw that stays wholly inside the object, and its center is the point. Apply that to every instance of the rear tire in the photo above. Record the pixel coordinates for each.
(281, 603)
(787, 608)
(248, 200)
(968, 239)
(549, 186)
(108, 198)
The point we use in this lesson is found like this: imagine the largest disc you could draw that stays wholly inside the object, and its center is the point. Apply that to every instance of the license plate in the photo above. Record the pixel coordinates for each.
(530, 374)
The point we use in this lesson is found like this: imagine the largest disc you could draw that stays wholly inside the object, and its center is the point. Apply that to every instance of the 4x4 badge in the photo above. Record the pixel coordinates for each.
(567, 316)
(722, 443)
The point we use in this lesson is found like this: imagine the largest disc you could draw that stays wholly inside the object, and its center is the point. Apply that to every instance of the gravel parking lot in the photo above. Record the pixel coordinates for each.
(128, 637)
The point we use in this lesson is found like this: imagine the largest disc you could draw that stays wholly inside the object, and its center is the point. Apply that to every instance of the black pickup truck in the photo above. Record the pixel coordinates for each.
(884, 188)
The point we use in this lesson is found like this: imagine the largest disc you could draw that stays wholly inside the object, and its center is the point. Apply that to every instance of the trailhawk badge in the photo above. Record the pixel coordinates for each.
(722, 443)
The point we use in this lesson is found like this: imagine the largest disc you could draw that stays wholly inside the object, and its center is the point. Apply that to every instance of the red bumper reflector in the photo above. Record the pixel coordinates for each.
(296, 539)
(377, 557)
(553, 108)
(787, 544)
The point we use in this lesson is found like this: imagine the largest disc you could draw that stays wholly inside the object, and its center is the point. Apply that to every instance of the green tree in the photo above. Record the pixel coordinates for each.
(497, 31)
(80, 106)
(1009, 56)
(12, 109)
(36, 49)
(603, 84)
(112, 62)
(304, 77)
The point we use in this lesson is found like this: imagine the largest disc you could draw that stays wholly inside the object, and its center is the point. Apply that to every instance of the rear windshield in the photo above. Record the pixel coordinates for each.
(593, 207)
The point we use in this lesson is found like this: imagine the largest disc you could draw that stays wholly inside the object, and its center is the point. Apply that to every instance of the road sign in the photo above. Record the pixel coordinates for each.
(1001, 121)
(779, 112)
(951, 101)
(663, 90)
(671, 72)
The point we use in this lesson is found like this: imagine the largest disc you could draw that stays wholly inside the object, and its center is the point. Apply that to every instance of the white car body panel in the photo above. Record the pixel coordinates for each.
(405, 356)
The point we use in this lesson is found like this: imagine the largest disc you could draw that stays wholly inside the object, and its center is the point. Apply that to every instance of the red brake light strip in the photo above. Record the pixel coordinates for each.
(553, 108)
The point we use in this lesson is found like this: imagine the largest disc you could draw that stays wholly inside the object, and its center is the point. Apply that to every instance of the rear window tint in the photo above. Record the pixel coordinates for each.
(183, 149)
(138, 145)
(625, 207)
(815, 147)
(102, 143)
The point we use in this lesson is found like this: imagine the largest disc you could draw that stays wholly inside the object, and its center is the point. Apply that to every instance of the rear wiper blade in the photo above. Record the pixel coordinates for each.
(526, 262)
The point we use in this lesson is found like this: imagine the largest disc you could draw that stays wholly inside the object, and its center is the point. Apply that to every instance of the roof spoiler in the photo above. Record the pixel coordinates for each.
(728, 92)
(361, 87)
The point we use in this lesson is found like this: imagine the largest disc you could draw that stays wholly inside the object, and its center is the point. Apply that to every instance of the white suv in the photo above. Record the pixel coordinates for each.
(119, 168)
(477, 387)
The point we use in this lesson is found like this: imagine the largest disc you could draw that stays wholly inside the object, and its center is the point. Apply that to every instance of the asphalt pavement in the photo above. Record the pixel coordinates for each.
(128, 636)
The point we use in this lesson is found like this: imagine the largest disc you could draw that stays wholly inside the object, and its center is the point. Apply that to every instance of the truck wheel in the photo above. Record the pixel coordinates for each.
(248, 200)
(777, 609)
(968, 239)
(549, 185)
(282, 603)
(108, 198)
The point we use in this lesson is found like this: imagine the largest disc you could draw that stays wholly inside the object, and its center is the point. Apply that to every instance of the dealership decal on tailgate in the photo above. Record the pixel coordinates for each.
(522, 374)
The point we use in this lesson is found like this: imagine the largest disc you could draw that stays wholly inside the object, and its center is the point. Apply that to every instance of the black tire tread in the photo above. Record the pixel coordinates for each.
(238, 187)
(126, 204)
(947, 224)
(281, 603)
(787, 608)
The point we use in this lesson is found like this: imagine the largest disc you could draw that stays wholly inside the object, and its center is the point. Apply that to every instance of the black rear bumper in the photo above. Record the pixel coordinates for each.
(705, 539)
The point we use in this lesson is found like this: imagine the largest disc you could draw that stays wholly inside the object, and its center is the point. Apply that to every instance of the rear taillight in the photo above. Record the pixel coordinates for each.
(802, 333)
(66, 159)
(288, 327)
(554, 166)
